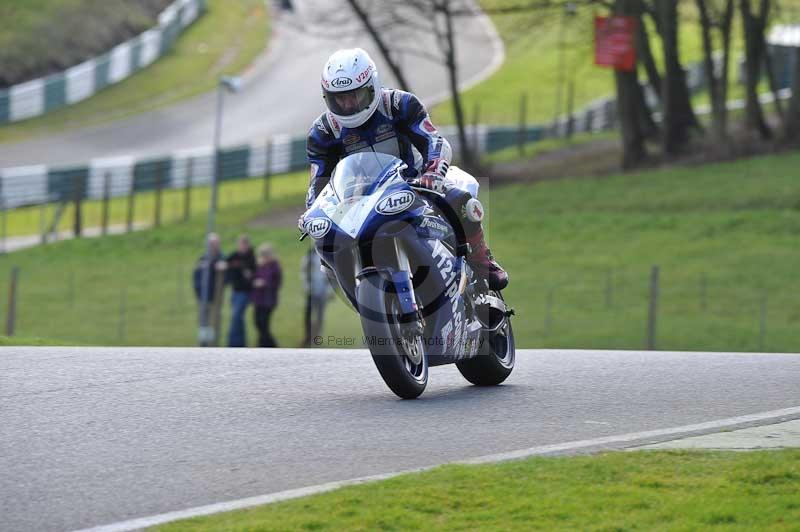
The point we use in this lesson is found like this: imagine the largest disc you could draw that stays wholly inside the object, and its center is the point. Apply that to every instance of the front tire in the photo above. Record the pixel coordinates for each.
(495, 360)
(402, 362)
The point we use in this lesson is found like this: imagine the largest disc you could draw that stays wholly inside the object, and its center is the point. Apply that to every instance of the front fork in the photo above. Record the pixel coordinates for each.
(400, 281)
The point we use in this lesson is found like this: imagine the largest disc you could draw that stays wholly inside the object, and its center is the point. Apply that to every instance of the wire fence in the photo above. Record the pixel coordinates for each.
(613, 308)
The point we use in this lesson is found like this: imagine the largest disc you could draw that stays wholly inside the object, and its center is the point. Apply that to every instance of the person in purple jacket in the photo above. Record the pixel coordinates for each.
(266, 283)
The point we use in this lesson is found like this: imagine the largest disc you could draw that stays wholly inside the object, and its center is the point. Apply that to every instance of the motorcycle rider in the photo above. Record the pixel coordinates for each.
(362, 116)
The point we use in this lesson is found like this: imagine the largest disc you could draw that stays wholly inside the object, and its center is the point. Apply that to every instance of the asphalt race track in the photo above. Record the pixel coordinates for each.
(92, 436)
(281, 93)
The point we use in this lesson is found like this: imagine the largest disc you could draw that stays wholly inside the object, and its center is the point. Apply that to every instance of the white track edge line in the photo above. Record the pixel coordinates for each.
(143, 522)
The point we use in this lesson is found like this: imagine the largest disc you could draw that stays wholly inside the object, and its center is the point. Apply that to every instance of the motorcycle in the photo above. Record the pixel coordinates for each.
(397, 252)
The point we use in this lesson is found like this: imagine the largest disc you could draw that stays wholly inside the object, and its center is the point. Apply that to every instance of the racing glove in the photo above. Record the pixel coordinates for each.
(433, 177)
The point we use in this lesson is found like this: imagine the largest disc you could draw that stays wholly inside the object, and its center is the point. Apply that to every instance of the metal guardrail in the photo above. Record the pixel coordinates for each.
(39, 96)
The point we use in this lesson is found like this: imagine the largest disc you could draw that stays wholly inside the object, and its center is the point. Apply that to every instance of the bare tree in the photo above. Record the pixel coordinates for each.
(371, 26)
(629, 101)
(679, 116)
(792, 125)
(645, 55)
(773, 85)
(717, 81)
(754, 25)
(438, 19)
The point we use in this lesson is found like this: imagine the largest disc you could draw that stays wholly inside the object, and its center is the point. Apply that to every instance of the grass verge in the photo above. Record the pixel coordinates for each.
(223, 41)
(17, 341)
(614, 491)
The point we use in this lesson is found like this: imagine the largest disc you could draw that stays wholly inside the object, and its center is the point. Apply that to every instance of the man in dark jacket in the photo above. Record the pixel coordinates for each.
(241, 267)
(204, 279)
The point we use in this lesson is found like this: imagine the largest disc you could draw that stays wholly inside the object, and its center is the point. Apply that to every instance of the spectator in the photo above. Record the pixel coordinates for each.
(266, 283)
(318, 291)
(204, 279)
(241, 267)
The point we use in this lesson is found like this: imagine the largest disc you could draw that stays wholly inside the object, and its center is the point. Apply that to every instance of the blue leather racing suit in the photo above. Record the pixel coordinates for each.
(400, 126)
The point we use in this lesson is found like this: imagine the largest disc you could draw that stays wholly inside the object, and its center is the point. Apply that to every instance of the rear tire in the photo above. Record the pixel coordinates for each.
(402, 363)
(495, 360)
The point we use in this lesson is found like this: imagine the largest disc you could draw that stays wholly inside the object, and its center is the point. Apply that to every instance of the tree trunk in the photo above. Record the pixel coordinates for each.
(725, 30)
(469, 158)
(677, 108)
(754, 44)
(647, 126)
(792, 131)
(633, 148)
(717, 85)
(645, 54)
(630, 99)
(383, 48)
(773, 85)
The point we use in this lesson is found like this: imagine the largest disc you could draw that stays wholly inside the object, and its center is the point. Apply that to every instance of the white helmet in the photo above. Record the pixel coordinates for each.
(350, 86)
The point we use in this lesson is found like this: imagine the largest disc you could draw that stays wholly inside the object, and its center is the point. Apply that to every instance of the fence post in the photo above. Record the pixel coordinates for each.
(11, 315)
(71, 288)
(123, 297)
(609, 288)
(181, 283)
(762, 325)
(187, 191)
(77, 194)
(131, 203)
(159, 179)
(703, 292)
(267, 169)
(106, 200)
(570, 102)
(652, 315)
(43, 222)
(521, 134)
(2, 222)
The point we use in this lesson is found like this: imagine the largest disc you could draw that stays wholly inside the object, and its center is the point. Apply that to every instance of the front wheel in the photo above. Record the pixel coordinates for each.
(399, 356)
(495, 359)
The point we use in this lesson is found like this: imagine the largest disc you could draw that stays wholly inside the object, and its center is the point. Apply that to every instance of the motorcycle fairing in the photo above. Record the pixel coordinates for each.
(355, 226)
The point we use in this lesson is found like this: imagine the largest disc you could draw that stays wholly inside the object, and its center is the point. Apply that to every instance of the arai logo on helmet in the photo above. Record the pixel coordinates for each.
(318, 227)
(338, 83)
(394, 203)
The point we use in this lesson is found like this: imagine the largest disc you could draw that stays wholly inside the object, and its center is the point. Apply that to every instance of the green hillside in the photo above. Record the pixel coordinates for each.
(41, 37)
(223, 41)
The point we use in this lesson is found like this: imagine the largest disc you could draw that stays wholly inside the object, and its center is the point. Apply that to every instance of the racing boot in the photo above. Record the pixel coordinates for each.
(482, 262)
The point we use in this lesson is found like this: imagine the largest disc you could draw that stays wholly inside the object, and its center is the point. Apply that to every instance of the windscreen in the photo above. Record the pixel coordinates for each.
(362, 173)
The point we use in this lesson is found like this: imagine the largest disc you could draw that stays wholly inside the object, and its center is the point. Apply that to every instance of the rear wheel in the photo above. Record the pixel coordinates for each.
(495, 359)
(397, 349)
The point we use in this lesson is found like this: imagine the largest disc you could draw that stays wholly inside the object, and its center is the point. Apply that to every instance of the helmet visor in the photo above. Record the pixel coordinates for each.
(350, 102)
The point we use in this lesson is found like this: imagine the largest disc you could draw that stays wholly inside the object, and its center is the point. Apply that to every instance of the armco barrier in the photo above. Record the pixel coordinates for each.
(34, 185)
(38, 96)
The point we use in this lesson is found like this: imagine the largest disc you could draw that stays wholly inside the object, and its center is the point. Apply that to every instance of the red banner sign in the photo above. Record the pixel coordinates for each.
(614, 42)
